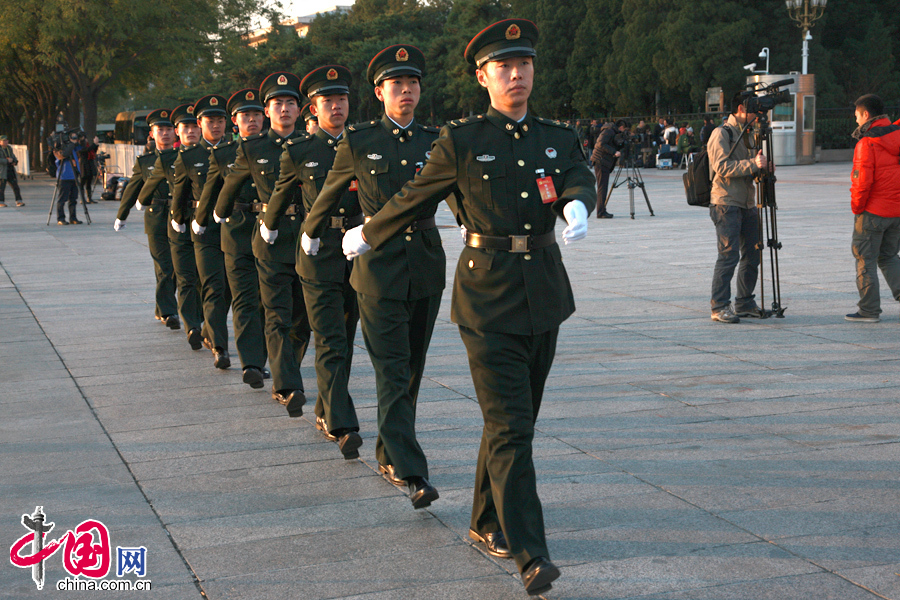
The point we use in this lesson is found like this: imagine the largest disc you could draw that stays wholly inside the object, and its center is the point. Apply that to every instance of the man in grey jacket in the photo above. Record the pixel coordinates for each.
(733, 210)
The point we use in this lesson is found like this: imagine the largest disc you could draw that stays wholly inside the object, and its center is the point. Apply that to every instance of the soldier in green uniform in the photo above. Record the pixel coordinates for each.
(517, 174)
(258, 157)
(324, 272)
(237, 233)
(399, 286)
(182, 248)
(189, 177)
(156, 218)
(311, 120)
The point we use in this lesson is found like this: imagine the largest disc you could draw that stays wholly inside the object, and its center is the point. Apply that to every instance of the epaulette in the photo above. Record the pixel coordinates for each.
(363, 125)
(255, 136)
(466, 121)
(429, 128)
(299, 139)
(554, 123)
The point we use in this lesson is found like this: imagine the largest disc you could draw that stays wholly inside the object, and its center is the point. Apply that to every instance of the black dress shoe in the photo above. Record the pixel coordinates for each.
(294, 403)
(172, 322)
(387, 471)
(253, 377)
(495, 543)
(322, 426)
(349, 444)
(538, 575)
(195, 339)
(421, 493)
(75, 221)
(58, 222)
(267, 374)
(605, 215)
(222, 360)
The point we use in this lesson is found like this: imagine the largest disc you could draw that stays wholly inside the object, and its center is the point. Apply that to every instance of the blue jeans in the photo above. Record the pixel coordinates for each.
(876, 241)
(737, 230)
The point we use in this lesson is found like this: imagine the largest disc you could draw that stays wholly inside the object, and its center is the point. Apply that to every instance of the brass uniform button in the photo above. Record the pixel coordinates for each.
(471, 264)
(524, 194)
(521, 163)
(516, 135)
(409, 238)
(341, 211)
(527, 257)
(527, 225)
(403, 162)
(485, 176)
(372, 171)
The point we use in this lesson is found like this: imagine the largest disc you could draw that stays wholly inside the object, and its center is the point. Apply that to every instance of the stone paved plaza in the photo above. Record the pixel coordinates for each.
(677, 458)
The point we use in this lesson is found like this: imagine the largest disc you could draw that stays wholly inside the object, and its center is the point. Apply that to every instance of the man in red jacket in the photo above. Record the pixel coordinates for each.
(875, 200)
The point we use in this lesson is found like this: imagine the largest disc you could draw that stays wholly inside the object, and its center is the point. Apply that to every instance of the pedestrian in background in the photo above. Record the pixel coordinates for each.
(8, 162)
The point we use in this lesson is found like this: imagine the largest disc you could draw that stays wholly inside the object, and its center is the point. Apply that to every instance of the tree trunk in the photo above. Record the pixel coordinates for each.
(90, 113)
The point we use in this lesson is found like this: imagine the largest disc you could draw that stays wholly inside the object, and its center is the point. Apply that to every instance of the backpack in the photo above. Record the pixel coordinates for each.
(697, 182)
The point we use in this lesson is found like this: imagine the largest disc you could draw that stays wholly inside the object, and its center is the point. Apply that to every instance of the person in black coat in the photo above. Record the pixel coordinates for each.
(607, 151)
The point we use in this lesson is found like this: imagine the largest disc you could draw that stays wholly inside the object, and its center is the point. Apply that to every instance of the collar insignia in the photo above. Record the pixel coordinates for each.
(510, 126)
(485, 158)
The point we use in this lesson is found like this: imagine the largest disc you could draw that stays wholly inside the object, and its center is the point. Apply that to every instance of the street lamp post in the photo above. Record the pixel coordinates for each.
(805, 13)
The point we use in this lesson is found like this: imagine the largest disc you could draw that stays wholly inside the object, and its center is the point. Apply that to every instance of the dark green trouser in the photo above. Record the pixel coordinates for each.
(333, 315)
(246, 309)
(287, 326)
(397, 334)
(214, 286)
(186, 278)
(509, 372)
(158, 242)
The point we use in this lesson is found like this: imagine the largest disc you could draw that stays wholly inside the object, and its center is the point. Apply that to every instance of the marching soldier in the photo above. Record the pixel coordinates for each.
(399, 286)
(156, 218)
(190, 170)
(182, 249)
(311, 120)
(237, 233)
(517, 174)
(258, 157)
(325, 273)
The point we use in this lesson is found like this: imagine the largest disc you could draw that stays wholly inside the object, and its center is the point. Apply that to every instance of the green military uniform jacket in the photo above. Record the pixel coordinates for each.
(408, 267)
(306, 162)
(143, 171)
(163, 171)
(259, 157)
(492, 161)
(221, 163)
(191, 166)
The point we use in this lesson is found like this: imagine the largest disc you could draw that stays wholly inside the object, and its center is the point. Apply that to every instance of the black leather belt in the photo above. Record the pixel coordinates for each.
(347, 222)
(510, 243)
(292, 209)
(253, 207)
(419, 225)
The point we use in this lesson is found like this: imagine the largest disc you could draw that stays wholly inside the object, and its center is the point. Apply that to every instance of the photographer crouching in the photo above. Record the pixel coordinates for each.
(68, 175)
(607, 151)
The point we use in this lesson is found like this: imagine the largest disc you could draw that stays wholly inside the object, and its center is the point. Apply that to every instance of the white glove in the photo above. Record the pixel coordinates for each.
(576, 216)
(353, 244)
(463, 231)
(267, 234)
(310, 245)
(217, 218)
(138, 206)
(196, 228)
(179, 227)
(119, 225)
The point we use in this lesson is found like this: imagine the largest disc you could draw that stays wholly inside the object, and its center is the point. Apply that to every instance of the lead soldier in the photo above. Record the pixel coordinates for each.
(517, 174)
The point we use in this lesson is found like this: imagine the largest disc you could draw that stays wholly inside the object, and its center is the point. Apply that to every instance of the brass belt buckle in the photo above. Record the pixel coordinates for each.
(519, 243)
(337, 222)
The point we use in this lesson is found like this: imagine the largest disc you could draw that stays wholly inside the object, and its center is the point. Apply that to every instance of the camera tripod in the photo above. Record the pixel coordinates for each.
(768, 223)
(633, 180)
(87, 214)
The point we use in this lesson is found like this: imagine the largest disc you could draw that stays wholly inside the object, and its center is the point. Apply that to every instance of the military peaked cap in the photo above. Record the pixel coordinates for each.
(394, 61)
(161, 117)
(210, 106)
(503, 39)
(330, 79)
(280, 84)
(306, 113)
(243, 101)
(183, 114)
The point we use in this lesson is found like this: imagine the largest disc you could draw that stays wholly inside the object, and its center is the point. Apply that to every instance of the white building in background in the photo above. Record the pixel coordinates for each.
(299, 24)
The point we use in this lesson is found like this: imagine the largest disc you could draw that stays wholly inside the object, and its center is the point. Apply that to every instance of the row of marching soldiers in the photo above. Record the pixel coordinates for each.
(262, 225)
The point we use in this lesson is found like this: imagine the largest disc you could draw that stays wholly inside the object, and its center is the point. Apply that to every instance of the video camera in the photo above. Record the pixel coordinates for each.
(771, 96)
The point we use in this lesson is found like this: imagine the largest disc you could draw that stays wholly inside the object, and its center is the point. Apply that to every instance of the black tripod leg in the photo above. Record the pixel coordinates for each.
(614, 185)
(87, 214)
(631, 197)
(53, 199)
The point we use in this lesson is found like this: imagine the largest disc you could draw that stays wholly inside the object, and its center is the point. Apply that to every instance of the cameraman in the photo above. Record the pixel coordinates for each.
(8, 162)
(607, 151)
(733, 210)
(67, 172)
(87, 159)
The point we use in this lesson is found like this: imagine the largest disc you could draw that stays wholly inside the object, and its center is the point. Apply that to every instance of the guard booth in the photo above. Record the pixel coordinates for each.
(794, 124)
